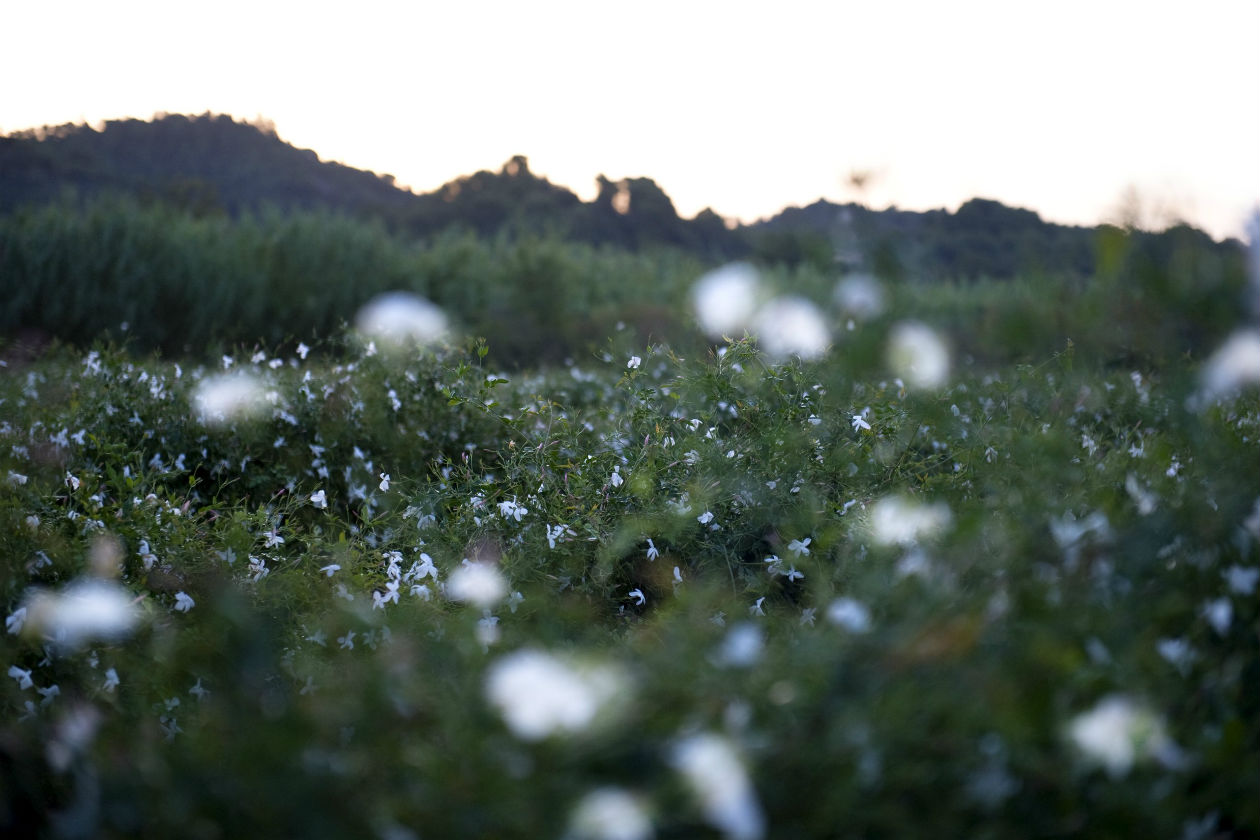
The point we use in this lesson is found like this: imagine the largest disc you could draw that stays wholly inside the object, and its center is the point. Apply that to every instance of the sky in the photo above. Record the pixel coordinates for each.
(1085, 112)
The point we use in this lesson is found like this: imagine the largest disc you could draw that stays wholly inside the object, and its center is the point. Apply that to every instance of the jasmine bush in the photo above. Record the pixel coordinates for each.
(362, 593)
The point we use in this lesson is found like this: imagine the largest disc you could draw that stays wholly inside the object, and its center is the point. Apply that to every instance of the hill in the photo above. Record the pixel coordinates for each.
(214, 164)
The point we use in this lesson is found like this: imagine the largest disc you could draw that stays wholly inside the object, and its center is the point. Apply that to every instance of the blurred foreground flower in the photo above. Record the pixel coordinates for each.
(609, 814)
(918, 355)
(540, 694)
(897, 520)
(1234, 365)
(480, 584)
(717, 777)
(791, 326)
(742, 646)
(850, 614)
(399, 320)
(1117, 732)
(729, 301)
(725, 299)
(860, 296)
(227, 398)
(86, 610)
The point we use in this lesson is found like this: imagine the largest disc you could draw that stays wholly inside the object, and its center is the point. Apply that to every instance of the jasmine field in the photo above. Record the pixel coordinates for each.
(827, 577)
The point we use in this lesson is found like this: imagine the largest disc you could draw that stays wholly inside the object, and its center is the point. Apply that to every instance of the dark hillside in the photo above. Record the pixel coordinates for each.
(213, 164)
(199, 162)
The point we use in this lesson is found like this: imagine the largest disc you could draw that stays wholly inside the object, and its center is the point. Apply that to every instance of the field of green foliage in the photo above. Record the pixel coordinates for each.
(965, 561)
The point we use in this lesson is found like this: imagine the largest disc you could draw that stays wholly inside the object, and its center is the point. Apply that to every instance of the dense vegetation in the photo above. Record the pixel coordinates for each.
(804, 599)
(613, 544)
(195, 285)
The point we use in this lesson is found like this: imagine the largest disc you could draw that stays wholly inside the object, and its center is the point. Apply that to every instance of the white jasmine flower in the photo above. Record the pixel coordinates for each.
(384, 482)
(302, 350)
(705, 518)
(257, 568)
(638, 596)
(319, 499)
(423, 568)
(111, 680)
(183, 603)
(558, 533)
(799, 547)
(22, 676)
(615, 479)
(380, 599)
(859, 423)
(16, 620)
(652, 552)
(634, 363)
(330, 569)
(511, 509)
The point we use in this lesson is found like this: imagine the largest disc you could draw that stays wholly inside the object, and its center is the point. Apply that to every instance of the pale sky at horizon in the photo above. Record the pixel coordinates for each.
(1065, 108)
